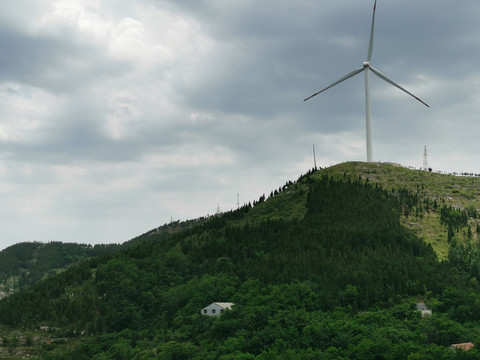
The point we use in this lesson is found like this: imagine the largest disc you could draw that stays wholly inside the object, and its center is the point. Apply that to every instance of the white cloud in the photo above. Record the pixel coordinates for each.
(128, 39)
(116, 116)
(78, 18)
(25, 110)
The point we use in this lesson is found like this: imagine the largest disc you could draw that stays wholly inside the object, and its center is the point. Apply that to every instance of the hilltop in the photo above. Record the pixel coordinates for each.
(433, 191)
(325, 267)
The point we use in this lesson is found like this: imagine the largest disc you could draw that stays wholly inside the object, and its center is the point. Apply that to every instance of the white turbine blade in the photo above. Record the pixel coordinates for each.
(353, 73)
(381, 76)
(370, 44)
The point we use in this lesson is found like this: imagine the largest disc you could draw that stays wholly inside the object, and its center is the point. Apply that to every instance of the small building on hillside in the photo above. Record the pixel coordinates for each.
(424, 309)
(462, 346)
(216, 308)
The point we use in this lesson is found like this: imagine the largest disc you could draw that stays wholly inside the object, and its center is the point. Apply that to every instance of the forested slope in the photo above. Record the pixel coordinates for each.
(429, 194)
(24, 264)
(336, 277)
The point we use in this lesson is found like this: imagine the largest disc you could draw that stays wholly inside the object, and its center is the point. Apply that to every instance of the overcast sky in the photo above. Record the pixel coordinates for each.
(117, 116)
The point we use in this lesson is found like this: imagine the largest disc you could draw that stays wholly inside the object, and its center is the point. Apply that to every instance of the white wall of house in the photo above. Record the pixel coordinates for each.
(426, 313)
(216, 308)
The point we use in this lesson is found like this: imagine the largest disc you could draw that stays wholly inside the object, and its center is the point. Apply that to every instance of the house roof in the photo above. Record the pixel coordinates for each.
(422, 306)
(463, 346)
(224, 305)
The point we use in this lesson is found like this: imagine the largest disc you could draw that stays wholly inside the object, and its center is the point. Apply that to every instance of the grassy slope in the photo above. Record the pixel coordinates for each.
(458, 191)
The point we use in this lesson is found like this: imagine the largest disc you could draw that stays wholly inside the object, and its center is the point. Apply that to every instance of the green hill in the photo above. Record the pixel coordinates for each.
(433, 191)
(327, 267)
(24, 264)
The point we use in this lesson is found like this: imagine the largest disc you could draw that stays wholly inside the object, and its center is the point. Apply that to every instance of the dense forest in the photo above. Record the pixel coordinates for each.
(24, 264)
(340, 282)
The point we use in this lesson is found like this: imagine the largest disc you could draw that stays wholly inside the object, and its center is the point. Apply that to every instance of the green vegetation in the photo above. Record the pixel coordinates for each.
(327, 267)
(24, 264)
(432, 190)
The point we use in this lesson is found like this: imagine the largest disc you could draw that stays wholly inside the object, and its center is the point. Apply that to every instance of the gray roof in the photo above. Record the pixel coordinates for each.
(422, 306)
(224, 305)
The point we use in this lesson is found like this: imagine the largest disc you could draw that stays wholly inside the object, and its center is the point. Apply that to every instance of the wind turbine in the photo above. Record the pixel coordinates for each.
(367, 67)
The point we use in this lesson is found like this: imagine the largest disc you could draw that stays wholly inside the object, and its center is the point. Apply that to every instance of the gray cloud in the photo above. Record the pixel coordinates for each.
(118, 117)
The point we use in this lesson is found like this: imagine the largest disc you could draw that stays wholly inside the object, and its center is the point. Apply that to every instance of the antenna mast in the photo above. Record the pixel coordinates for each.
(425, 161)
(314, 158)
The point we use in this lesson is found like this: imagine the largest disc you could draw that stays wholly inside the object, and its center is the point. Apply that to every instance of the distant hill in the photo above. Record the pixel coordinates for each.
(325, 267)
(24, 264)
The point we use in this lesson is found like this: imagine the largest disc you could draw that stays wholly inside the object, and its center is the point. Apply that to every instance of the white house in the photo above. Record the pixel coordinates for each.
(216, 308)
(424, 309)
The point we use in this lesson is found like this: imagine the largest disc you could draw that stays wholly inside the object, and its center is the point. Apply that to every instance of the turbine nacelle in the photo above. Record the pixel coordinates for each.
(366, 64)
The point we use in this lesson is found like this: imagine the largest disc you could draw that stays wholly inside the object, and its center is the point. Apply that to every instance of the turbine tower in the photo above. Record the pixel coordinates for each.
(367, 67)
